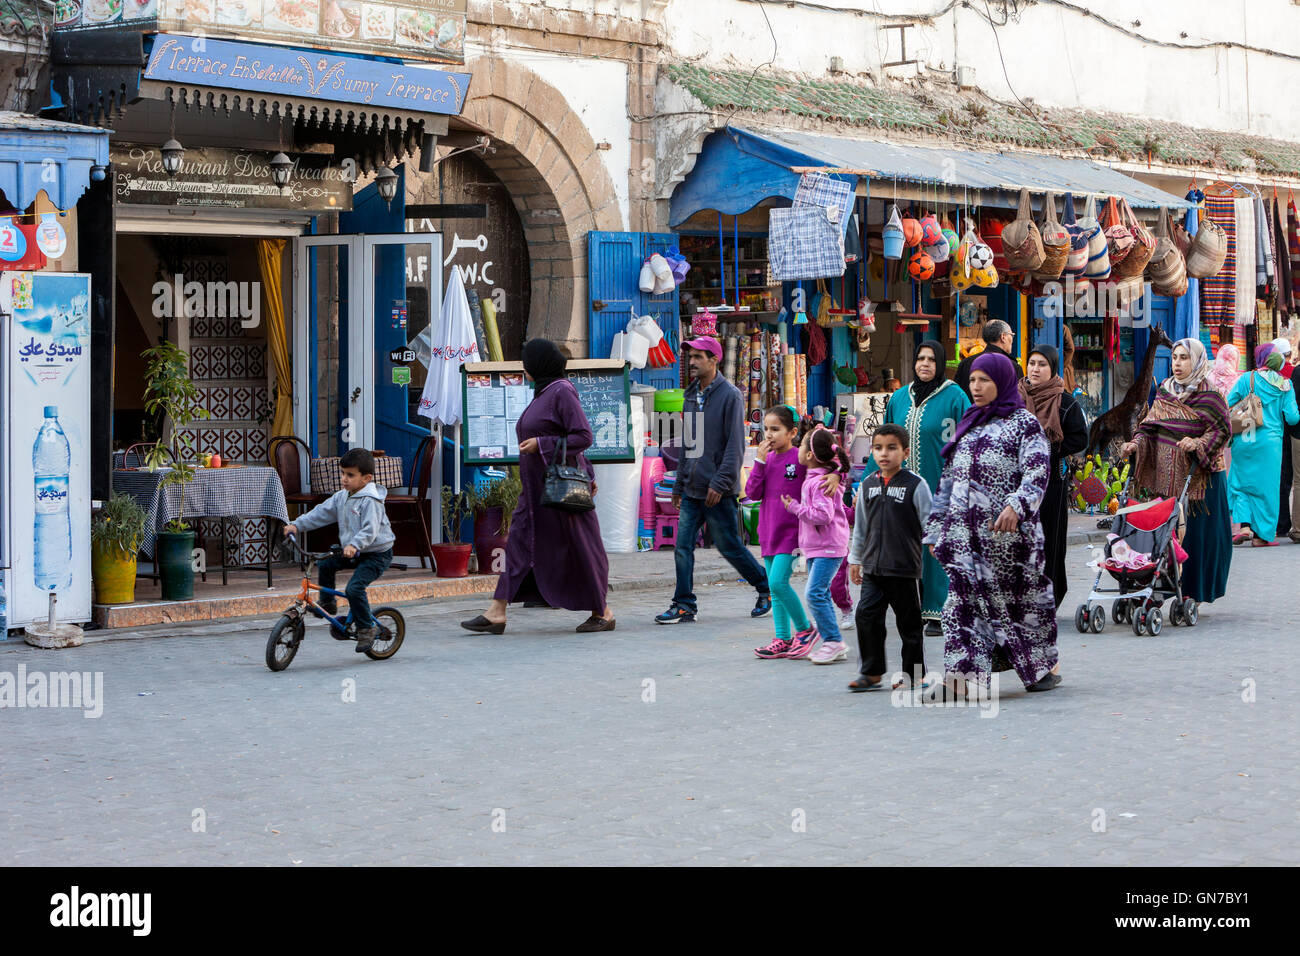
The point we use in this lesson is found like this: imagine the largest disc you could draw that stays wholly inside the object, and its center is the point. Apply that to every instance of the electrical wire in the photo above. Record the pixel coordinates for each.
(750, 82)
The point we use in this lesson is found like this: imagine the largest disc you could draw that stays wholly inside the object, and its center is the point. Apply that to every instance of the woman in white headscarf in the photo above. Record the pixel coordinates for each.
(1187, 428)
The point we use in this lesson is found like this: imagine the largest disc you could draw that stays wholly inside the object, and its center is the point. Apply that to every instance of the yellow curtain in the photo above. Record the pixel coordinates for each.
(270, 256)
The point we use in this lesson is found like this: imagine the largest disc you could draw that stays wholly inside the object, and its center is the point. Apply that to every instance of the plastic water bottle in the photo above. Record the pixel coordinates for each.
(51, 460)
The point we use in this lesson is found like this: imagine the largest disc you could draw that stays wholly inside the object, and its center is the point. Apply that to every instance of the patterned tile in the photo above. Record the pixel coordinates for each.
(241, 404)
(219, 362)
(255, 365)
(199, 362)
(200, 327)
(219, 402)
(255, 445)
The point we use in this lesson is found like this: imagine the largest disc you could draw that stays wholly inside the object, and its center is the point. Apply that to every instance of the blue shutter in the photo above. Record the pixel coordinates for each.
(613, 273)
(1051, 332)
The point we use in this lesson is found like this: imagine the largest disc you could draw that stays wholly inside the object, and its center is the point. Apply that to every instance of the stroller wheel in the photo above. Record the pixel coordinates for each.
(1154, 621)
(1081, 619)
(1119, 612)
(1138, 617)
(1098, 619)
(1176, 613)
(1191, 612)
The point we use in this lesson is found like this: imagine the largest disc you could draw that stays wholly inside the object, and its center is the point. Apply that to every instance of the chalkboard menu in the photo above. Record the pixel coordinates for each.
(496, 394)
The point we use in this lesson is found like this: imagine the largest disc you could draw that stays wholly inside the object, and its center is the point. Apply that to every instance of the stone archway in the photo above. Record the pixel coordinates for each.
(558, 181)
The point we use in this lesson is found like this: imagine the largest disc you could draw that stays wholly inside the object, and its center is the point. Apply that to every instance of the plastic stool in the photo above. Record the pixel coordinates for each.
(665, 531)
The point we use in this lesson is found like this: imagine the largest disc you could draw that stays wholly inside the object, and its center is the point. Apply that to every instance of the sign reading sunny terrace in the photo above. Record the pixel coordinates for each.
(414, 29)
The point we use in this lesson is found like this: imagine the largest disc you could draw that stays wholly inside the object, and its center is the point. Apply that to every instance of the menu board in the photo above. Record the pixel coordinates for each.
(496, 394)
(412, 29)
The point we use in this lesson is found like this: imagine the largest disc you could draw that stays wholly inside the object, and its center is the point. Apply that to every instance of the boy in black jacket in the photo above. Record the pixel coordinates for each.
(885, 558)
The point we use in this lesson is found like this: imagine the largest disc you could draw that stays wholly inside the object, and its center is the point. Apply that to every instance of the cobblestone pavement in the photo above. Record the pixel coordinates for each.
(545, 746)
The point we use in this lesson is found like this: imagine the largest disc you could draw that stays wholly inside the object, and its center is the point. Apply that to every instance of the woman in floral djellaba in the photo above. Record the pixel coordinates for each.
(984, 529)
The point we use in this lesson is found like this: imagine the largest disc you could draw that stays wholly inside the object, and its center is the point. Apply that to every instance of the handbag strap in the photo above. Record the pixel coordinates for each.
(1049, 208)
(1025, 211)
(563, 457)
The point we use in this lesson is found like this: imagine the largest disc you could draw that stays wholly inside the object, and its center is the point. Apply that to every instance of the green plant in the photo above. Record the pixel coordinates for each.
(456, 507)
(119, 525)
(503, 494)
(169, 390)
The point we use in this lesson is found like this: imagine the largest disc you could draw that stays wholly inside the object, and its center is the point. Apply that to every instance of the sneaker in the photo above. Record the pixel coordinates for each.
(831, 652)
(365, 639)
(762, 606)
(803, 643)
(849, 620)
(676, 615)
(778, 648)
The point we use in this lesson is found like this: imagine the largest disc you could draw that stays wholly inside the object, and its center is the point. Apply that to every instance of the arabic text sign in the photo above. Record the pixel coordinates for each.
(306, 73)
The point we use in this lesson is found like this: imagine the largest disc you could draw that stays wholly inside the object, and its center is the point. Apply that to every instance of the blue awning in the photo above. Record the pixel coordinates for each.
(738, 168)
(45, 155)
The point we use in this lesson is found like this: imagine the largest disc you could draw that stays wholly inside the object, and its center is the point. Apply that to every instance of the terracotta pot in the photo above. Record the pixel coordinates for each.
(452, 560)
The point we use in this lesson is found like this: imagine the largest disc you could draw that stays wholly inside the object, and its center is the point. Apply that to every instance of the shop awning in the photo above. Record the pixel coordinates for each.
(737, 168)
(44, 155)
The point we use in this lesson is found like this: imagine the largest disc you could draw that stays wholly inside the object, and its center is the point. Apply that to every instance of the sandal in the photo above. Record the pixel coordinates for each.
(1241, 537)
(595, 623)
(860, 684)
(481, 625)
(1048, 682)
(1261, 543)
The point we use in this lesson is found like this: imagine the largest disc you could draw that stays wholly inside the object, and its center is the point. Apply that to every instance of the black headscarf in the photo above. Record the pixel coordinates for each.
(544, 362)
(1049, 352)
(922, 390)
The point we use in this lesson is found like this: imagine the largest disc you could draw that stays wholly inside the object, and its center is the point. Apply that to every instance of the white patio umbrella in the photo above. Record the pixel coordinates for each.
(452, 346)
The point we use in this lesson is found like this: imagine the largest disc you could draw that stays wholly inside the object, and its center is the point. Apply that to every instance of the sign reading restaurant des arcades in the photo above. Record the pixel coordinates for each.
(231, 179)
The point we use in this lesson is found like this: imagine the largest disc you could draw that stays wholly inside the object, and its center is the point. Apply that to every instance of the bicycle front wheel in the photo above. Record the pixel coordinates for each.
(390, 628)
(283, 642)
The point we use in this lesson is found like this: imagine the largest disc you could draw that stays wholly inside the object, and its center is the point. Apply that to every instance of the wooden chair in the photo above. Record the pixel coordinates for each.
(407, 513)
(283, 452)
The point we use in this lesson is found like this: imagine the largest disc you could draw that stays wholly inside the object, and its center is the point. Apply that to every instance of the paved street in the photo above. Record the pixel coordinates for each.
(543, 746)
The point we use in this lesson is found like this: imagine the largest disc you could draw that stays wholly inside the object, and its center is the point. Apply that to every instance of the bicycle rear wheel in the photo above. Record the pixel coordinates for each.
(390, 629)
(283, 643)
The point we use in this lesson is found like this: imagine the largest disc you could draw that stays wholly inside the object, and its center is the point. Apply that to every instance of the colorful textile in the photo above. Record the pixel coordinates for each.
(1219, 291)
(999, 593)
(1244, 310)
(1254, 482)
(1264, 266)
(1162, 466)
(1293, 248)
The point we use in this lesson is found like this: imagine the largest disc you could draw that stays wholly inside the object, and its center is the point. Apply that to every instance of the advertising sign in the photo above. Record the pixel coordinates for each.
(411, 29)
(48, 498)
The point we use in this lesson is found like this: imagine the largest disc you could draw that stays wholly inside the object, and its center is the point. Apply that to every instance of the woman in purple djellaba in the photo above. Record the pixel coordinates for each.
(984, 529)
(552, 557)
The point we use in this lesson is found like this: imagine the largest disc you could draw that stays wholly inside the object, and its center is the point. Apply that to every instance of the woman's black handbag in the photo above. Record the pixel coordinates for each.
(568, 488)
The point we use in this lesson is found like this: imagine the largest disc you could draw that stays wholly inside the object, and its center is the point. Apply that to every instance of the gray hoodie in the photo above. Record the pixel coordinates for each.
(361, 518)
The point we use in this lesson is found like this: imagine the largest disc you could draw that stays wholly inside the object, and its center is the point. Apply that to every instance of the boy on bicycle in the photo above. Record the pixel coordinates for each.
(365, 534)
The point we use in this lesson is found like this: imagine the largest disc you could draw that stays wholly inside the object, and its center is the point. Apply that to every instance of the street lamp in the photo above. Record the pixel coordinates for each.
(172, 154)
(281, 169)
(386, 181)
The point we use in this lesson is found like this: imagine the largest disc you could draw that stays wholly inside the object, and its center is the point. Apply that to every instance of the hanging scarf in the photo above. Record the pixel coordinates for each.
(1162, 466)
(544, 362)
(1008, 401)
(1044, 400)
(923, 390)
(1200, 368)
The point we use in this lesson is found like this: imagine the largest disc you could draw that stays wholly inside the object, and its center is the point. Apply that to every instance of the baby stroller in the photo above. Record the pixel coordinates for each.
(1141, 559)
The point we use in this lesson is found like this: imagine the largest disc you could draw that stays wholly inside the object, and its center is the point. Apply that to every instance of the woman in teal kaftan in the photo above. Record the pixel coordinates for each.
(1255, 474)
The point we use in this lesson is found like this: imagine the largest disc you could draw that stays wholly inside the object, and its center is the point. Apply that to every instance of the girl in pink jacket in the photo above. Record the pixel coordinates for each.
(824, 541)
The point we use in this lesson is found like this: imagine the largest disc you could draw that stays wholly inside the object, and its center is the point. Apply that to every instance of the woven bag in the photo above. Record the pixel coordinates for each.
(1209, 250)
(1056, 243)
(1098, 252)
(1139, 254)
(1119, 239)
(1167, 269)
(1022, 243)
(1076, 264)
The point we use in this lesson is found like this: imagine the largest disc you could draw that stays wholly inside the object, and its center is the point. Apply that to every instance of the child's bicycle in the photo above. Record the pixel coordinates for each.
(288, 633)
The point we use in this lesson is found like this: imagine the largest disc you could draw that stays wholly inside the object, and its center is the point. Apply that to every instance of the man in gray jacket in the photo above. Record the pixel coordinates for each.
(708, 481)
(365, 534)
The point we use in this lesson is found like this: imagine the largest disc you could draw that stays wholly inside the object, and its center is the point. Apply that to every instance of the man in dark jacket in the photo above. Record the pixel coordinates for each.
(999, 338)
(708, 481)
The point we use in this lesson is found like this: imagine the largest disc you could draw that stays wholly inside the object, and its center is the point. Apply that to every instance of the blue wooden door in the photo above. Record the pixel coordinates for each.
(613, 274)
(1045, 322)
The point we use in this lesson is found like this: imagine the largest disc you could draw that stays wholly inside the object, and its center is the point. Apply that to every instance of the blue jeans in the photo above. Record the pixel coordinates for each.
(724, 524)
(369, 566)
(821, 571)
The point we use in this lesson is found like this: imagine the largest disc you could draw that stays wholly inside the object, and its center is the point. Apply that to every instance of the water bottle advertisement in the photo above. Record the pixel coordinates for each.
(48, 498)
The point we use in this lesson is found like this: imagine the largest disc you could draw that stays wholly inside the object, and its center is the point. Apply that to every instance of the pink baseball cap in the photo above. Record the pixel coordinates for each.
(706, 344)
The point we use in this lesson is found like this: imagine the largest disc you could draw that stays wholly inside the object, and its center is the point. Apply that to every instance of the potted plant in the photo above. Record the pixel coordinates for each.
(116, 531)
(169, 390)
(492, 523)
(452, 557)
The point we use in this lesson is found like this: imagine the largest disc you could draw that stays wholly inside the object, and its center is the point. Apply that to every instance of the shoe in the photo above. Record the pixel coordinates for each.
(1048, 681)
(848, 621)
(481, 625)
(762, 606)
(676, 615)
(365, 639)
(595, 623)
(831, 652)
(933, 629)
(803, 644)
(1294, 536)
(861, 684)
(778, 648)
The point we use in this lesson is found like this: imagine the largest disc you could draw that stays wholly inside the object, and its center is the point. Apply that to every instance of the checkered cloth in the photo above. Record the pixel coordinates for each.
(327, 475)
(214, 493)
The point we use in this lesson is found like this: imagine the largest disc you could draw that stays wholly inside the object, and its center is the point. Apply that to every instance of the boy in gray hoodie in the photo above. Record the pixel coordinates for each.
(365, 534)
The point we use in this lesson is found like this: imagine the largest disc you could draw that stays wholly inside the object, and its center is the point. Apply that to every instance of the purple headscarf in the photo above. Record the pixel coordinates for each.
(1262, 352)
(1005, 377)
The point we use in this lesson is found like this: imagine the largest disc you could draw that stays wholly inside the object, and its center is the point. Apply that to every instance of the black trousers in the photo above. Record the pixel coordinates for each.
(879, 593)
(1284, 494)
(369, 566)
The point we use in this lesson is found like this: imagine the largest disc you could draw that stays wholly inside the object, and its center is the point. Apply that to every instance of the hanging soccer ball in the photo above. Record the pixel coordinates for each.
(960, 280)
(931, 231)
(981, 256)
(911, 233)
(920, 267)
(986, 278)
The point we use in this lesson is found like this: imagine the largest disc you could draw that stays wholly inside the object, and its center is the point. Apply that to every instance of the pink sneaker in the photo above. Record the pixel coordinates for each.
(778, 648)
(802, 644)
(831, 652)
